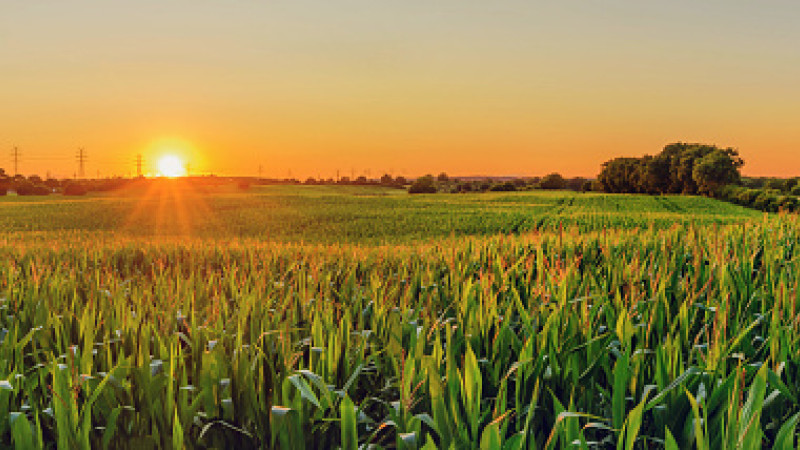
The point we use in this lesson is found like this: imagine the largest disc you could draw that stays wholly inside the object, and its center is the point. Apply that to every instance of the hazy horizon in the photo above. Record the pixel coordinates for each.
(503, 88)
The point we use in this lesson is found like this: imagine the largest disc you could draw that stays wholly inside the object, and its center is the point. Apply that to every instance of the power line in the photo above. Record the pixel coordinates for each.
(16, 161)
(81, 162)
(139, 162)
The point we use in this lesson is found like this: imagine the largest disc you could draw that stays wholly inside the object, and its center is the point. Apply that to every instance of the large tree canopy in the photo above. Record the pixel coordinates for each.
(679, 168)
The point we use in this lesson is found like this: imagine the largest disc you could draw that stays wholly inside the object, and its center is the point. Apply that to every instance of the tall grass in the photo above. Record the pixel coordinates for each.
(677, 338)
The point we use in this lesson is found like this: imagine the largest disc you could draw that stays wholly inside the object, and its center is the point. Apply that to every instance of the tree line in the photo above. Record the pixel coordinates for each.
(699, 169)
(429, 184)
(680, 168)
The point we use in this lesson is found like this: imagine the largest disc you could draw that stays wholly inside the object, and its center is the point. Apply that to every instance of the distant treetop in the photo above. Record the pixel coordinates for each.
(680, 168)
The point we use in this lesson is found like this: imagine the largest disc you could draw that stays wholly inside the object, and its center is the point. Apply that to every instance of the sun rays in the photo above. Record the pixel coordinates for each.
(172, 206)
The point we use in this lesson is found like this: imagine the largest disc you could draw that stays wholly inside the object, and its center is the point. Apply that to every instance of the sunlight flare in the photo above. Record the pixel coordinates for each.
(171, 166)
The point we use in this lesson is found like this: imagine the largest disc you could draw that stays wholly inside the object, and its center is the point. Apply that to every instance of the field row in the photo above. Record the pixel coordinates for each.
(680, 337)
(356, 214)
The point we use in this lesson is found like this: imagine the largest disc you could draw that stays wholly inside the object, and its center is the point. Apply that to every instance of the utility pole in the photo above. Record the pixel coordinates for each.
(139, 162)
(15, 154)
(81, 162)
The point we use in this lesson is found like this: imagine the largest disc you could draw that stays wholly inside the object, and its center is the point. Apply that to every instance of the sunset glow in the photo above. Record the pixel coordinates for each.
(311, 88)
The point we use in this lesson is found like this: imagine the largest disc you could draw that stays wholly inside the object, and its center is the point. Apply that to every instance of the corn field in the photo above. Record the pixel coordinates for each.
(677, 338)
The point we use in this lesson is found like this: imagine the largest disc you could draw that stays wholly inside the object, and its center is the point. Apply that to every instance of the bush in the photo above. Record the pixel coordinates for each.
(553, 181)
(796, 190)
(504, 187)
(788, 203)
(423, 185)
(75, 189)
(767, 200)
(575, 184)
(775, 184)
(464, 187)
(25, 187)
(748, 196)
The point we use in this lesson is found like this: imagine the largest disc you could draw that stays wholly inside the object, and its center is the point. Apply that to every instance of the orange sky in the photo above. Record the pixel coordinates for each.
(466, 87)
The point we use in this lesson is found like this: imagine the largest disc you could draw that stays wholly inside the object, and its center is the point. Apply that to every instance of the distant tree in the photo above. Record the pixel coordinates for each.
(442, 178)
(508, 186)
(553, 181)
(35, 179)
(75, 188)
(754, 183)
(673, 170)
(310, 180)
(657, 176)
(576, 183)
(621, 175)
(586, 186)
(387, 180)
(344, 180)
(714, 170)
(400, 181)
(25, 187)
(361, 180)
(423, 185)
(464, 186)
(775, 183)
(4, 182)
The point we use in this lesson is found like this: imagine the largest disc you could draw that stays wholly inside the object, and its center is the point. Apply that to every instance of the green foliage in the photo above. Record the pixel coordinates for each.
(680, 168)
(713, 171)
(553, 181)
(423, 185)
(763, 199)
(504, 187)
(635, 336)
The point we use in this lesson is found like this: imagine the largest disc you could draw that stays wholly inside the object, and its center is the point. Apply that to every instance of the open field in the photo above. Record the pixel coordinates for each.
(324, 318)
(353, 214)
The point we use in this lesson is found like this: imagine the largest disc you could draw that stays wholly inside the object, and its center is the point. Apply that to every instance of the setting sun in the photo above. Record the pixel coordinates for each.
(171, 166)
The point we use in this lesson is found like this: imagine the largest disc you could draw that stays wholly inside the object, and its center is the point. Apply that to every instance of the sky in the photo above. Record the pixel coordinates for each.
(365, 87)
